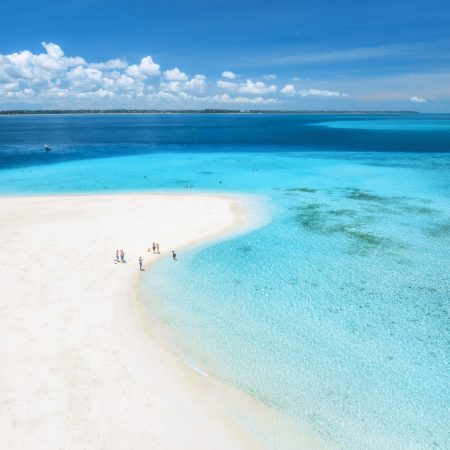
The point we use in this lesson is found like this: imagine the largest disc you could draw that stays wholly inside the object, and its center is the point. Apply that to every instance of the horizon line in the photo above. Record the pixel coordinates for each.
(204, 110)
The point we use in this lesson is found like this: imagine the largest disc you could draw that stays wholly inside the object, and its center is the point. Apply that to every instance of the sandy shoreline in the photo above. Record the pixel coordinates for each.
(79, 368)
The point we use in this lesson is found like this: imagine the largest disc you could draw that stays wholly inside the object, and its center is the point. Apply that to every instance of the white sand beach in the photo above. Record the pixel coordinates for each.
(79, 366)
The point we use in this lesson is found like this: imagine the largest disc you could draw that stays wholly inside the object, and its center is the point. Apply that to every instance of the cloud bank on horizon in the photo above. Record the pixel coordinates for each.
(52, 79)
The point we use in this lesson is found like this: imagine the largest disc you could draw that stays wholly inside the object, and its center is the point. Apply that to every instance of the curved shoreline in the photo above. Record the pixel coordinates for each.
(85, 364)
(262, 425)
(224, 399)
(79, 369)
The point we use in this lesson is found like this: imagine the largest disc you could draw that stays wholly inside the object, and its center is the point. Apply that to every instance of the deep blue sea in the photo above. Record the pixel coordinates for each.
(336, 313)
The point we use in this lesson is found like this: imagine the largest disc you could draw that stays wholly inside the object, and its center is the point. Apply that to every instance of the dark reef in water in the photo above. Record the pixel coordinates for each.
(359, 194)
(302, 189)
(357, 224)
(364, 196)
(398, 204)
(441, 230)
(342, 212)
(320, 218)
(245, 248)
(181, 181)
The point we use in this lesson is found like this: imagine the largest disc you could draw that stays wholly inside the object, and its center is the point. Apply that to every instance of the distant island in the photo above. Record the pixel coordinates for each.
(189, 111)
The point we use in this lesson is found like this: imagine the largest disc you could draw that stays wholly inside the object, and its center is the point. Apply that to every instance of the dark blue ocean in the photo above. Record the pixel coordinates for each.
(336, 312)
(96, 136)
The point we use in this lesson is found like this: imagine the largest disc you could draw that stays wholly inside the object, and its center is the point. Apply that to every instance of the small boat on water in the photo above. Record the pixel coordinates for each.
(47, 148)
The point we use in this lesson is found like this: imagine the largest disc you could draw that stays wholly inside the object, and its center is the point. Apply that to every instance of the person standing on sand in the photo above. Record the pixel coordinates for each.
(117, 257)
(174, 255)
(157, 249)
(140, 263)
(154, 248)
(122, 256)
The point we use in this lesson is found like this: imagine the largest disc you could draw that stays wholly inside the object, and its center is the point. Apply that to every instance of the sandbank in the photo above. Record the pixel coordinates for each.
(79, 366)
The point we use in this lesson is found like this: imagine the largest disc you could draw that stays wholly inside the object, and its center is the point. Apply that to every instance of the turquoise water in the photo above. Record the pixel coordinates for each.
(336, 312)
(392, 125)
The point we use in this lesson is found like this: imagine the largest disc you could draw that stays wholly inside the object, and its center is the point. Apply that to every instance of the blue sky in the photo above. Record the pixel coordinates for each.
(281, 55)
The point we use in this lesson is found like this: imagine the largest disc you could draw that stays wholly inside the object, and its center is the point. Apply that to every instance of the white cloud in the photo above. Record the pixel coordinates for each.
(53, 79)
(133, 71)
(110, 64)
(255, 100)
(84, 77)
(163, 95)
(100, 93)
(146, 68)
(228, 74)
(289, 89)
(53, 50)
(247, 87)
(198, 83)
(58, 92)
(258, 87)
(228, 85)
(226, 98)
(27, 68)
(269, 76)
(209, 100)
(415, 99)
(321, 93)
(175, 75)
(172, 86)
(124, 81)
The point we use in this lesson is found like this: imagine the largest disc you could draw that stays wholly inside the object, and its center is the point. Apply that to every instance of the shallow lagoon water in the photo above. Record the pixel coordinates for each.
(414, 124)
(336, 312)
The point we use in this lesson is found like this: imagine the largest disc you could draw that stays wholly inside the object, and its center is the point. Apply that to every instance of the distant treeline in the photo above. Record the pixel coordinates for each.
(188, 111)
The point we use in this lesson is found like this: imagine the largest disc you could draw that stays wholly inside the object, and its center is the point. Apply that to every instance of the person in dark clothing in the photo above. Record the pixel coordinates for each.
(174, 255)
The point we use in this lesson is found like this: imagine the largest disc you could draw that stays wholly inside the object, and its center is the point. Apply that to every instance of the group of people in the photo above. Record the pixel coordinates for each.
(155, 247)
(120, 255)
